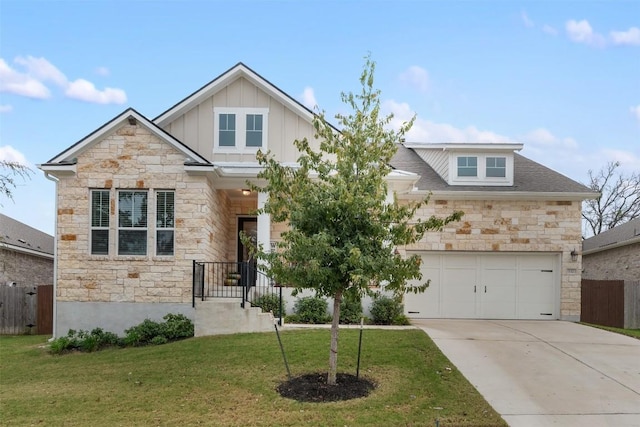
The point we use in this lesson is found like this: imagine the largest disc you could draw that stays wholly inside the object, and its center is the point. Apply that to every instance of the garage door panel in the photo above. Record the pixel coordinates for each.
(490, 286)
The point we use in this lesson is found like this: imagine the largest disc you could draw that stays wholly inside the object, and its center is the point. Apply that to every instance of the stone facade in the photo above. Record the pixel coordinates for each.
(134, 158)
(513, 226)
(24, 269)
(621, 263)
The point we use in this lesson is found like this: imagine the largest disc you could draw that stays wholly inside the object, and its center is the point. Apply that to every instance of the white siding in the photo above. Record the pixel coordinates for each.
(437, 159)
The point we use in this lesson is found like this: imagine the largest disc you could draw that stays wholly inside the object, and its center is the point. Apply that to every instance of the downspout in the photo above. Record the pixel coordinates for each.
(55, 257)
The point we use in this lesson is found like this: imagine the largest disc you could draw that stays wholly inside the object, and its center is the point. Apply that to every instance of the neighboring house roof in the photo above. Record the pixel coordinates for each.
(226, 78)
(622, 235)
(20, 237)
(530, 179)
(67, 157)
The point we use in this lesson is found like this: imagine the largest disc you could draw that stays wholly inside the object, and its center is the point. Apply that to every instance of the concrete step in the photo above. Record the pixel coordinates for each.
(218, 316)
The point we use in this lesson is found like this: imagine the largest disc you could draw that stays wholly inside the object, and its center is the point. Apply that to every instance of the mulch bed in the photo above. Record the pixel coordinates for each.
(314, 388)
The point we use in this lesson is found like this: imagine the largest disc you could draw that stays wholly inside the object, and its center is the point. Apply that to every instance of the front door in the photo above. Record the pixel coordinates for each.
(248, 225)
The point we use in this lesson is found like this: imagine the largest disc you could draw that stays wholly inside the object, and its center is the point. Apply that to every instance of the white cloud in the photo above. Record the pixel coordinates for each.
(309, 98)
(12, 81)
(549, 30)
(629, 37)
(102, 71)
(526, 20)
(41, 69)
(428, 131)
(543, 138)
(38, 71)
(10, 154)
(581, 32)
(6, 108)
(84, 90)
(635, 111)
(628, 161)
(416, 77)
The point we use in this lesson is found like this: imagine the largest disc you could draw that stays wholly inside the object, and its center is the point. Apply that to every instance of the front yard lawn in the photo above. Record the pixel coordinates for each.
(230, 381)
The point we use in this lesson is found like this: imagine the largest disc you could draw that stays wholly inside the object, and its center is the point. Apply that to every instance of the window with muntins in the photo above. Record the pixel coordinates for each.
(239, 130)
(467, 166)
(496, 167)
(165, 222)
(100, 222)
(132, 222)
(227, 130)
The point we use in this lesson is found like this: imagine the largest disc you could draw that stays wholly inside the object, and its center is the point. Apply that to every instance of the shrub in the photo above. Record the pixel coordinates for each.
(350, 310)
(388, 311)
(85, 341)
(177, 326)
(311, 310)
(269, 303)
(143, 333)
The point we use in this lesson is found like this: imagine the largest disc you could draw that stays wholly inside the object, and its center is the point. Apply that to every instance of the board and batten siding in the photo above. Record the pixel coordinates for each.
(196, 127)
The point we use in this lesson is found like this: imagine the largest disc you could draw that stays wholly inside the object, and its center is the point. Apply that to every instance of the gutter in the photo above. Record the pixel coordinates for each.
(611, 246)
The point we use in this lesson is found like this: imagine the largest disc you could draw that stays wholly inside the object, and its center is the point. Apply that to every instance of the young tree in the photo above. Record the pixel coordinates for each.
(619, 200)
(342, 231)
(11, 170)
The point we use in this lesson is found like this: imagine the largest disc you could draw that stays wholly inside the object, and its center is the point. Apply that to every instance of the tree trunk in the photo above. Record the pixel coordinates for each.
(333, 352)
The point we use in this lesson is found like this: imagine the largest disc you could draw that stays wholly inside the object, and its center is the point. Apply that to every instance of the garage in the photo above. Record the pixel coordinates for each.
(487, 286)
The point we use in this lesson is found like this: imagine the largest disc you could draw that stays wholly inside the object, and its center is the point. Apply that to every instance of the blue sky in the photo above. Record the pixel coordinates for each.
(563, 78)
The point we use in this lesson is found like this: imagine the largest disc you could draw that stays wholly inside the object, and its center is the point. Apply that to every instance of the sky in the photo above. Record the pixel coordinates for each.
(562, 78)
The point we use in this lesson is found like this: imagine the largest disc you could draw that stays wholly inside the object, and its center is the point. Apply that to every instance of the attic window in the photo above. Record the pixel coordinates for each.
(238, 130)
(496, 167)
(467, 166)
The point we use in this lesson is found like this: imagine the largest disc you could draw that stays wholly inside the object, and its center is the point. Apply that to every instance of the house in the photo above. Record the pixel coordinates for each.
(149, 214)
(26, 254)
(613, 254)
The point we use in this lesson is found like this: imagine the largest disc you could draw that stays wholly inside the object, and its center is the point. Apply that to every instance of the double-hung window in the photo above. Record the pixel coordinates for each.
(467, 166)
(99, 222)
(165, 222)
(132, 222)
(240, 129)
(496, 167)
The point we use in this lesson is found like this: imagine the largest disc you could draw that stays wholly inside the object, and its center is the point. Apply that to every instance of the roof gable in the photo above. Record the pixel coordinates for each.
(239, 70)
(68, 156)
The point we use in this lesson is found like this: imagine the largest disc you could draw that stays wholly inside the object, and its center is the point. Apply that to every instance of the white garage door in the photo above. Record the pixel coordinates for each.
(488, 286)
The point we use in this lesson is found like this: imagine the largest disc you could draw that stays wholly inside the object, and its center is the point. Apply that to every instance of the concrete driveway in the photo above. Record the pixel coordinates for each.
(544, 373)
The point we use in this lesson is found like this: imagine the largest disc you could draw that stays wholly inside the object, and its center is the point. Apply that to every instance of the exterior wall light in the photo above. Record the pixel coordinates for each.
(246, 192)
(574, 255)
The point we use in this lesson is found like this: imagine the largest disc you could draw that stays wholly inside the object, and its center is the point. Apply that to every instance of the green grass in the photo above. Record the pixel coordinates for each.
(635, 333)
(230, 381)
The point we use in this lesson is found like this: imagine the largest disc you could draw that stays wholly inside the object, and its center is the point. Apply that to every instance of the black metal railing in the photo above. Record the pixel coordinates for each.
(243, 280)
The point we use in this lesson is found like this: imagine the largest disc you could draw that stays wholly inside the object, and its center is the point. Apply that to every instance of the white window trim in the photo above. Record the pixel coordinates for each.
(157, 229)
(481, 178)
(92, 228)
(241, 131)
(147, 229)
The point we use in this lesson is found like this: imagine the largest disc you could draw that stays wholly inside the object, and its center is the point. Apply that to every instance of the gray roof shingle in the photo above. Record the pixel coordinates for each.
(615, 236)
(529, 176)
(20, 235)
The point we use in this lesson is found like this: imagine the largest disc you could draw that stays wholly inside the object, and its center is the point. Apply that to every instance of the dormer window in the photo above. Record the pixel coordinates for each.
(238, 130)
(467, 166)
(496, 167)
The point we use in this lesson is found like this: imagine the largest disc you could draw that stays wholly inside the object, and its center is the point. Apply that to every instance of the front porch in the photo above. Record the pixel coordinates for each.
(229, 297)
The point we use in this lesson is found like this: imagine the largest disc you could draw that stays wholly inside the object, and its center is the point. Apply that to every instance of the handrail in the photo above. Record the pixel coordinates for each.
(242, 280)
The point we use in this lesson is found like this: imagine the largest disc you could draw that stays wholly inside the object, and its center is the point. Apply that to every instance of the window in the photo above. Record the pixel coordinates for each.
(165, 224)
(100, 222)
(467, 166)
(227, 129)
(132, 223)
(496, 167)
(239, 130)
(254, 130)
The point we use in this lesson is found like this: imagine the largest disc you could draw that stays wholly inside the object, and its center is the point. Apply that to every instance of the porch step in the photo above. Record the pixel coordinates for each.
(218, 316)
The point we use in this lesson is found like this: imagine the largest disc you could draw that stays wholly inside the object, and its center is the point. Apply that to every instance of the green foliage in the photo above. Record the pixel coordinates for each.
(312, 309)
(85, 341)
(175, 327)
(350, 310)
(388, 311)
(270, 303)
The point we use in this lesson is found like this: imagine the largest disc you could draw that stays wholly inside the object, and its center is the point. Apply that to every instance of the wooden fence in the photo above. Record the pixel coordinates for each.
(26, 310)
(611, 303)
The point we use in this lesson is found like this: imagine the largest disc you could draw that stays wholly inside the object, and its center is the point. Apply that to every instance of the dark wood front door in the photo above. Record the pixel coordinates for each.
(249, 226)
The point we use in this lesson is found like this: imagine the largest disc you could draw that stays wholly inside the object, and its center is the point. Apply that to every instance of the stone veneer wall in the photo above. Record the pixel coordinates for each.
(25, 269)
(134, 158)
(513, 226)
(622, 263)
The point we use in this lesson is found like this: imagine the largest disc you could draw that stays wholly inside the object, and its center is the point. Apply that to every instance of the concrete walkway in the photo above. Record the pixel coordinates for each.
(545, 373)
